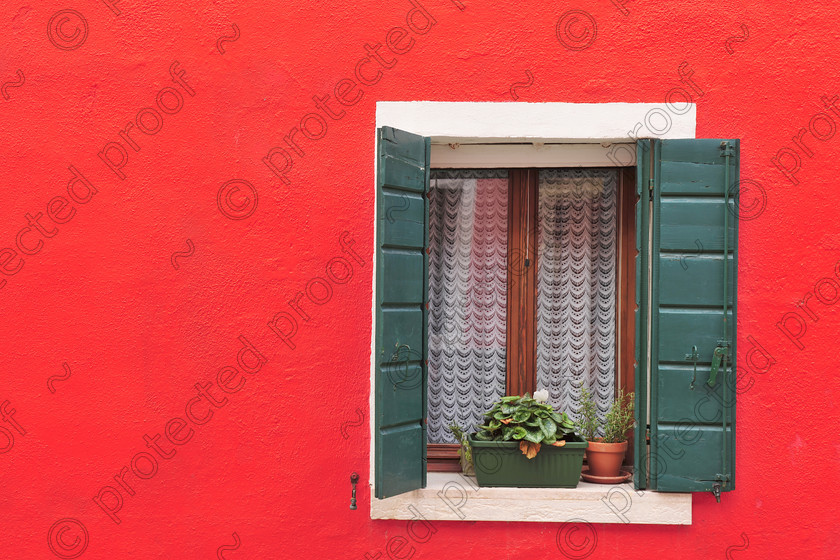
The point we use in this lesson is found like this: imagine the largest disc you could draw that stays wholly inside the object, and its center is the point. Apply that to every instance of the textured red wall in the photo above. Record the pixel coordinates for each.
(143, 269)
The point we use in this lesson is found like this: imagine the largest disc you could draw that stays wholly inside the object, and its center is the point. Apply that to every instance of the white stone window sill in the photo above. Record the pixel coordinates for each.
(454, 497)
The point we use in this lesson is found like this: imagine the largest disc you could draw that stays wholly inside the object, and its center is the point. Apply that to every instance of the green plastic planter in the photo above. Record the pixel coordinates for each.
(501, 463)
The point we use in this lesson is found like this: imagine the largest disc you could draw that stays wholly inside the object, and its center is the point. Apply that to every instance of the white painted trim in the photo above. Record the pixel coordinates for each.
(453, 497)
(480, 156)
(483, 123)
(545, 122)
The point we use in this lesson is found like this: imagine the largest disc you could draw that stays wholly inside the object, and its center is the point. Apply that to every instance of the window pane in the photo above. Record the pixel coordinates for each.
(467, 297)
(576, 289)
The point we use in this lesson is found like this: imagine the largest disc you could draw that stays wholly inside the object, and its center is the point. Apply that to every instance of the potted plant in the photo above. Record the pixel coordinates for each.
(465, 451)
(526, 443)
(605, 453)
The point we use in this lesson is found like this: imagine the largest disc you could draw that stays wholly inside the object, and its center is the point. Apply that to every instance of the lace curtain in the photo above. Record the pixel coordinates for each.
(576, 303)
(467, 297)
(576, 289)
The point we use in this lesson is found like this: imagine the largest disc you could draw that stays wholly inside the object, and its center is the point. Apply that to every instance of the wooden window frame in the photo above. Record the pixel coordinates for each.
(522, 252)
(521, 313)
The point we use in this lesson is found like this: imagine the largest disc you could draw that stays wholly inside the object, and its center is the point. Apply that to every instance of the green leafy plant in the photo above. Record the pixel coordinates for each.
(465, 451)
(527, 420)
(618, 421)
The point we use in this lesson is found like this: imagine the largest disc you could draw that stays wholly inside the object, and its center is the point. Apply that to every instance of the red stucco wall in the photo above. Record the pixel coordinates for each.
(159, 258)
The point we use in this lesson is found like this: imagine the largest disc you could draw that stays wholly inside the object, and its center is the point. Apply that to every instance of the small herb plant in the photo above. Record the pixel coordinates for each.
(465, 451)
(525, 419)
(588, 425)
(618, 421)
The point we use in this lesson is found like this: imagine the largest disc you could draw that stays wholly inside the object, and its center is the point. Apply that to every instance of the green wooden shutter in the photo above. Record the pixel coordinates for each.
(687, 236)
(402, 276)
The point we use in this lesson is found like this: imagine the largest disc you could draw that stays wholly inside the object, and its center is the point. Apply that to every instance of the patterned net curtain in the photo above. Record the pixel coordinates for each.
(576, 291)
(576, 302)
(467, 297)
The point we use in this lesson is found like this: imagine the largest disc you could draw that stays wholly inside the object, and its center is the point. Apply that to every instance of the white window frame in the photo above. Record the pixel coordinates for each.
(491, 134)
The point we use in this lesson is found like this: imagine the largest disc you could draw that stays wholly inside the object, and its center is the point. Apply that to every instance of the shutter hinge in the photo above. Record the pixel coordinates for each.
(721, 480)
(726, 149)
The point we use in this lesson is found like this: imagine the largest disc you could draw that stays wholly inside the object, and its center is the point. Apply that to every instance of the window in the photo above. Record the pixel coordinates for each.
(684, 320)
(524, 273)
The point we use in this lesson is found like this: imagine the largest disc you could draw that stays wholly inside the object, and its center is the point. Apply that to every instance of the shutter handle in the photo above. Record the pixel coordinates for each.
(693, 357)
(720, 353)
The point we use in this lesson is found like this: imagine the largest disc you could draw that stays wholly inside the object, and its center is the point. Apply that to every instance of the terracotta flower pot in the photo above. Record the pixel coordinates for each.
(605, 458)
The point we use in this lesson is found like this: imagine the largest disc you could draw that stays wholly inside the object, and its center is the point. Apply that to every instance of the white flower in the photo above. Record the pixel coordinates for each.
(541, 396)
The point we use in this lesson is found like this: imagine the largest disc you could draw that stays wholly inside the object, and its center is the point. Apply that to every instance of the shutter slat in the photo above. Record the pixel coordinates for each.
(683, 463)
(409, 207)
(686, 178)
(684, 280)
(688, 224)
(693, 408)
(403, 284)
